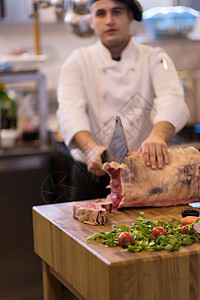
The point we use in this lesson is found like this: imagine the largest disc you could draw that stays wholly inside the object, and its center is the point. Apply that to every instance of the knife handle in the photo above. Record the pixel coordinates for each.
(104, 156)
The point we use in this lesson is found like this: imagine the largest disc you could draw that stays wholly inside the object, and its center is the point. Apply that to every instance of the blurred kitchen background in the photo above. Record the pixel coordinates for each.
(35, 39)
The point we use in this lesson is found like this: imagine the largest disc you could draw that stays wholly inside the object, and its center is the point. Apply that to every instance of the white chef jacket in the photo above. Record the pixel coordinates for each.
(143, 88)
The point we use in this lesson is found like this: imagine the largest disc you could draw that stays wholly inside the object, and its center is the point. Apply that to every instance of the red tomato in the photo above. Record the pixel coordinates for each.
(184, 229)
(157, 230)
(124, 238)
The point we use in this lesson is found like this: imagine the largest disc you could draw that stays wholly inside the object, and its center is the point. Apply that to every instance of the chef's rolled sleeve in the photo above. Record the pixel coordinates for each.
(166, 113)
(71, 113)
(169, 96)
(68, 128)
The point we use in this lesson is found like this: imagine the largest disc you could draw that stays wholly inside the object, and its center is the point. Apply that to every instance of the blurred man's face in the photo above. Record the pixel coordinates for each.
(111, 21)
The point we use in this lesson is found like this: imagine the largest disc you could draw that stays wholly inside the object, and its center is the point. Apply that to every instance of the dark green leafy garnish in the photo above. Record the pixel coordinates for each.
(143, 239)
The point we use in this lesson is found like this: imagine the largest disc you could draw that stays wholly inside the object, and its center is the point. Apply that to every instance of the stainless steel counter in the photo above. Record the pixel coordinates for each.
(188, 144)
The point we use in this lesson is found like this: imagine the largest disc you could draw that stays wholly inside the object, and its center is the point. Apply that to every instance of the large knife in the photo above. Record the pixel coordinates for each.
(117, 148)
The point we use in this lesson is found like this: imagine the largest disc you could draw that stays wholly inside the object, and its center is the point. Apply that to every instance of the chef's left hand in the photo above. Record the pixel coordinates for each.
(155, 153)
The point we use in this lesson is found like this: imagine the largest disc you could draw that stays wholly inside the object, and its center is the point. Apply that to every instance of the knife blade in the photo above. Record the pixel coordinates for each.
(117, 148)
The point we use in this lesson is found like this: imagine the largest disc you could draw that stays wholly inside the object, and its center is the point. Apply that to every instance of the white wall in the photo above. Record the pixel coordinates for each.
(146, 4)
(56, 42)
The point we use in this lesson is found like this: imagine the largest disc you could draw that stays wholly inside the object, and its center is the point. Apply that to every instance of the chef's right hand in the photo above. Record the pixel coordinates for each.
(155, 153)
(94, 161)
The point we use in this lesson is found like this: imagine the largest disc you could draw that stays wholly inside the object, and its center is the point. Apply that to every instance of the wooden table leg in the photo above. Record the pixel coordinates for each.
(52, 288)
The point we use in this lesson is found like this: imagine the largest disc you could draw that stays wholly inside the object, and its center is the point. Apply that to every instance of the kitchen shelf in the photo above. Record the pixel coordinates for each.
(40, 79)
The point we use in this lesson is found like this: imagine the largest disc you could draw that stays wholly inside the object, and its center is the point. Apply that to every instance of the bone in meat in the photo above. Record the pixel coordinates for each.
(89, 213)
(133, 184)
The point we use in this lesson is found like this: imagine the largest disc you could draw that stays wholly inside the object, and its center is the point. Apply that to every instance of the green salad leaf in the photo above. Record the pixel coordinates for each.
(143, 239)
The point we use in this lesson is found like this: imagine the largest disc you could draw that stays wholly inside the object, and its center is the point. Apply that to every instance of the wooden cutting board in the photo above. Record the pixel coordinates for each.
(97, 272)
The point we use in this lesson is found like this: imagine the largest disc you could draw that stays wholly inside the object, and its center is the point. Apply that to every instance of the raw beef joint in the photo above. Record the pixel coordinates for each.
(89, 213)
(133, 184)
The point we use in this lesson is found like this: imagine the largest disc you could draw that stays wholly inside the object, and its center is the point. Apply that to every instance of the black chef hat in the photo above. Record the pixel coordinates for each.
(134, 6)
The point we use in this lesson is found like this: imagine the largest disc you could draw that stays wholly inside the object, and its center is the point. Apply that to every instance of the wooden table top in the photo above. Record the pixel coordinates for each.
(59, 240)
(61, 216)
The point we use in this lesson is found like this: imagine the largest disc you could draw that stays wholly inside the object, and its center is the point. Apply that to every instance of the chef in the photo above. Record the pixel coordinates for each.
(117, 76)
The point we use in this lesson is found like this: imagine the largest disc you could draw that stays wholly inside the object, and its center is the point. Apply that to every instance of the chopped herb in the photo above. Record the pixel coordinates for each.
(143, 239)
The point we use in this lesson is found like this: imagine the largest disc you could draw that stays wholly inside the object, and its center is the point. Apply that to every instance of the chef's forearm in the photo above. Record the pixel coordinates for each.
(163, 129)
(84, 141)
